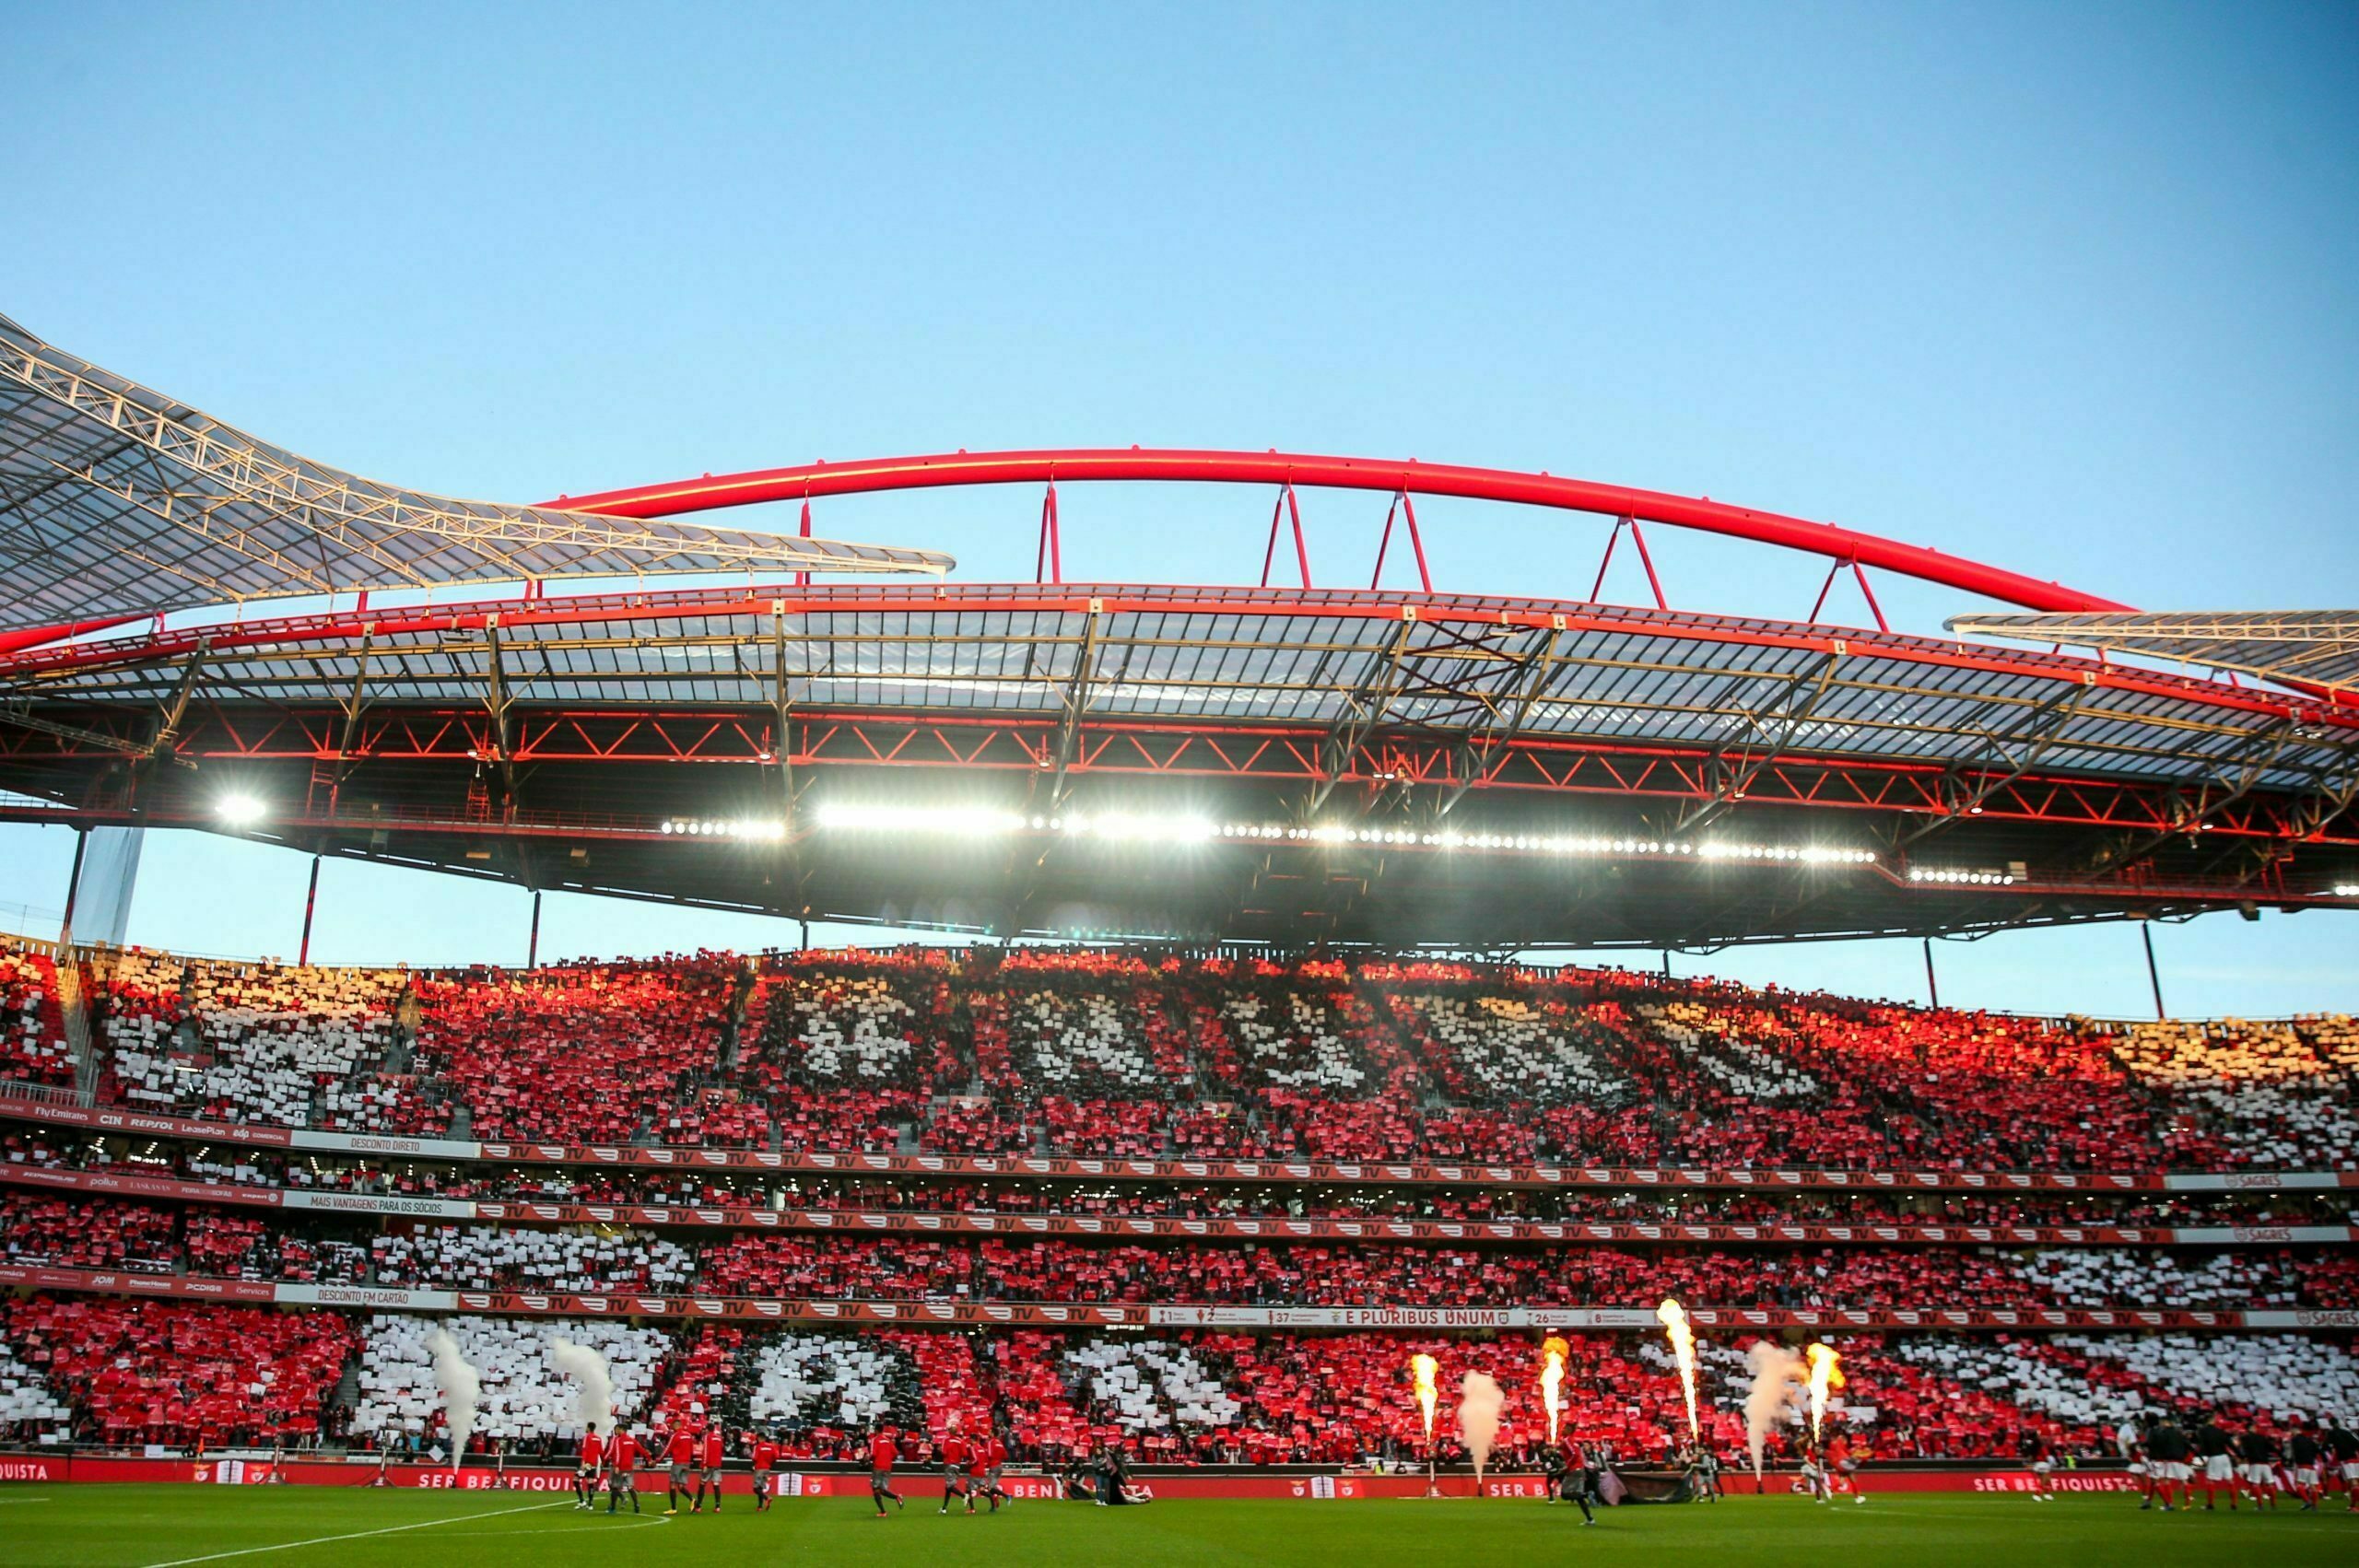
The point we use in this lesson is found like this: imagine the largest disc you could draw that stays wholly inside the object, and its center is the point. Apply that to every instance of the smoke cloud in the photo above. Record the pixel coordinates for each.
(462, 1388)
(1777, 1374)
(594, 1398)
(1479, 1404)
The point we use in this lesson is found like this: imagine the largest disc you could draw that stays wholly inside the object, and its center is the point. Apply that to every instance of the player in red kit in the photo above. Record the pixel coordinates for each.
(585, 1475)
(716, 1450)
(765, 1463)
(682, 1453)
(991, 1454)
(956, 1453)
(881, 1455)
(622, 1470)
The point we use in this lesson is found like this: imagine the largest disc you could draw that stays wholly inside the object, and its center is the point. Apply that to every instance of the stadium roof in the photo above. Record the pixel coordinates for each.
(118, 501)
(556, 741)
(2313, 648)
(1287, 764)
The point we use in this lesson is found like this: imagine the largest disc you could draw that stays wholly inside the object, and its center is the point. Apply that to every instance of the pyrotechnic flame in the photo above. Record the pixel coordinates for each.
(1553, 1352)
(1683, 1346)
(1421, 1372)
(1826, 1372)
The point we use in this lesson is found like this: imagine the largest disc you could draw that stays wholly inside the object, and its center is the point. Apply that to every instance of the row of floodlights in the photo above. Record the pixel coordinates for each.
(1129, 828)
(241, 810)
(751, 828)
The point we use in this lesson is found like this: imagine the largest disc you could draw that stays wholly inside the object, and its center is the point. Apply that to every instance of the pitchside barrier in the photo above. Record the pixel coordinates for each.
(1309, 1484)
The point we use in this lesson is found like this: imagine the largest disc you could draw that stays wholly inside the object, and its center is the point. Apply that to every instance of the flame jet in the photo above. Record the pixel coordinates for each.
(1826, 1372)
(1421, 1374)
(1553, 1353)
(1673, 1319)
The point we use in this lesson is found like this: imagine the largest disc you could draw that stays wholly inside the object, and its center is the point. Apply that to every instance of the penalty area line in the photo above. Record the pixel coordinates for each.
(354, 1535)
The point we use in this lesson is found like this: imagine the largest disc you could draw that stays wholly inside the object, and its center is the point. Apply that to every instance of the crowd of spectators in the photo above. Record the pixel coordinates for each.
(178, 1374)
(162, 1373)
(34, 1047)
(1124, 1054)
(524, 1396)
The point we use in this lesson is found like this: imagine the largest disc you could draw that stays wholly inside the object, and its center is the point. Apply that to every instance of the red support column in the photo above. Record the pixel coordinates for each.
(1824, 590)
(1056, 539)
(1933, 987)
(1874, 608)
(532, 943)
(1607, 559)
(1639, 539)
(1416, 542)
(1270, 555)
(1301, 551)
(1384, 542)
(802, 580)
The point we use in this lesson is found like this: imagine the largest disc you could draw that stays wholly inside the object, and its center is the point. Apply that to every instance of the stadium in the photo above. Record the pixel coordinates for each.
(1204, 1121)
(1470, 1016)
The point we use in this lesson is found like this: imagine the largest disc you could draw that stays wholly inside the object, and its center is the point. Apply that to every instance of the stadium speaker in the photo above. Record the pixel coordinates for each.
(2248, 910)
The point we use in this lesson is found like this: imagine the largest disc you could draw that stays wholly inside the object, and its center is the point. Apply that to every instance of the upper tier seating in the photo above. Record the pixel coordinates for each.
(1107, 1054)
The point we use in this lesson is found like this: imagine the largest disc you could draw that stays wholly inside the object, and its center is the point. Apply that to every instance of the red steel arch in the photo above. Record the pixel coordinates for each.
(1276, 468)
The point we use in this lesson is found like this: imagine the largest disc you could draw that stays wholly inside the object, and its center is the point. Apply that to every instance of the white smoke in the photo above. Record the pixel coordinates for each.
(1479, 1403)
(462, 1388)
(593, 1399)
(1778, 1376)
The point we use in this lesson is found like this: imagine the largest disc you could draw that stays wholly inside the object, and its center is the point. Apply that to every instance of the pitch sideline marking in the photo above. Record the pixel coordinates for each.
(354, 1535)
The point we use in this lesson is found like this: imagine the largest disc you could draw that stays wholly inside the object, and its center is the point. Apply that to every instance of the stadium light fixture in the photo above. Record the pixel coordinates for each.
(2347, 890)
(1150, 828)
(744, 829)
(238, 810)
(1962, 874)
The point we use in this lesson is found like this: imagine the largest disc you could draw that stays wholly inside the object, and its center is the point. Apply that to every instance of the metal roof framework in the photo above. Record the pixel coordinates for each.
(117, 502)
(2318, 649)
(549, 742)
(553, 741)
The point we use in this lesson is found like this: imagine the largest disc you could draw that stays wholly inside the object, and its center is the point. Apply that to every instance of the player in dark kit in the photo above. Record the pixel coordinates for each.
(2302, 1458)
(2258, 1452)
(622, 1470)
(2215, 1453)
(2033, 1448)
(881, 1455)
(2341, 1446)
(2167, 1451)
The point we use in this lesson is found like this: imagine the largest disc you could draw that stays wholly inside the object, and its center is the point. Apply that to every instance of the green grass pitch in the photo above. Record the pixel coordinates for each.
(148, 1527)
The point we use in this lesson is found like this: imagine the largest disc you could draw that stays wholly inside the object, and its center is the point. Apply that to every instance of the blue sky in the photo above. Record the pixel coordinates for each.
(2067, 289)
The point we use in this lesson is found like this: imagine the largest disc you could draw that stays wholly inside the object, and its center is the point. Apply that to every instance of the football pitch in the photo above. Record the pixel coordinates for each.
(180, 1527)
